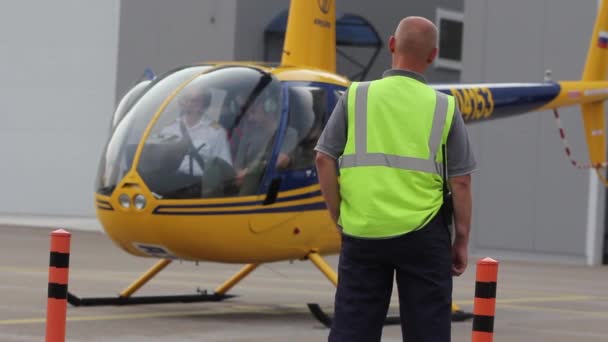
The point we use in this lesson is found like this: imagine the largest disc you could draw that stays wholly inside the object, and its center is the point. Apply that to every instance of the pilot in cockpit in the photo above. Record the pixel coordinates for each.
(204, 138)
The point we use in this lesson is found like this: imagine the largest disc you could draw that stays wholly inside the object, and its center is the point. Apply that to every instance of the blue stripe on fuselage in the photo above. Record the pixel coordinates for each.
(493, 101)
(239, 204)
(260, 210)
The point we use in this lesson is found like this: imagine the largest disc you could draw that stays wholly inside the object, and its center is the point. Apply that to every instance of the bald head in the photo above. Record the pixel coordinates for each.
(414, 41)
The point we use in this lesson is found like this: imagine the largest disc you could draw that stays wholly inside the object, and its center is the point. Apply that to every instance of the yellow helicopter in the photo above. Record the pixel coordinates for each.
(172, 191)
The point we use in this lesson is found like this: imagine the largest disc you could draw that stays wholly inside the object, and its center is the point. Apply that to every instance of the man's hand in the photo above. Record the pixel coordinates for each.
(240, 176)
(461, 198)
(283, 161)
(459, 257)
(328, 180)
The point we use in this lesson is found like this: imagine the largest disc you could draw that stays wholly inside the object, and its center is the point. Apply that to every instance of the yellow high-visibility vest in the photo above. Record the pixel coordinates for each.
(390, 171)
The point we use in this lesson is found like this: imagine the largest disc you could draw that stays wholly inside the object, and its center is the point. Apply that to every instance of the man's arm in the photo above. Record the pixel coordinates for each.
(462, 199)
(328, 180)
(461, 163)
(329, 148)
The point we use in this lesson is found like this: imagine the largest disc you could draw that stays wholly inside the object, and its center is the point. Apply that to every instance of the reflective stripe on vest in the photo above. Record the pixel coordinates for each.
(362, 158)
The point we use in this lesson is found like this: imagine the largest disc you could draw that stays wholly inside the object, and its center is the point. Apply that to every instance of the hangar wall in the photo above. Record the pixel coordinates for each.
(163, 35)
(529, 201)
(58, 77)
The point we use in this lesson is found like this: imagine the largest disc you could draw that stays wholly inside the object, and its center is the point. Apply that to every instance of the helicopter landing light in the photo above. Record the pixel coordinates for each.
(124, 201)
(139, 202)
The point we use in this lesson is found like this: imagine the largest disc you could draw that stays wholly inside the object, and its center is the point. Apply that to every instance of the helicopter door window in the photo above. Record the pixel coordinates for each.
(308, 110)
(253, 132)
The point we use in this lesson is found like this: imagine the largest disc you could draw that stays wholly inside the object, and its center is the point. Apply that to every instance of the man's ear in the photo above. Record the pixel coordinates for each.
(432, 55)
(391, 44)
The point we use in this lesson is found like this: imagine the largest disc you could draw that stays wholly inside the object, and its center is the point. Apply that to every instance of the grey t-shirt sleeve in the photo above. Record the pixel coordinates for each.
(333, 138)
(461, 160)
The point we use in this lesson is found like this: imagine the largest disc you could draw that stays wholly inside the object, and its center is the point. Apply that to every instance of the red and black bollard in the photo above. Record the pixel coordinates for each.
(58, 286)
(484, 306)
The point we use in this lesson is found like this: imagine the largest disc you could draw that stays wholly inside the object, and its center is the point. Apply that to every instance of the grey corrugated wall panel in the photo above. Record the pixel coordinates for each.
(163, 35)
(252, 18)
(528, 199)
(58, 67)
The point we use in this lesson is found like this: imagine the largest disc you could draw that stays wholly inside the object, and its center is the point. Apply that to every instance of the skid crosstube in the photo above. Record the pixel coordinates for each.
(126, 296)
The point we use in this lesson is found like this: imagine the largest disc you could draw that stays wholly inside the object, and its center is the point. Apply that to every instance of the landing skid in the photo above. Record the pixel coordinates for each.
(325, 319)
(99, 301)
(126, 298)
(461, 316)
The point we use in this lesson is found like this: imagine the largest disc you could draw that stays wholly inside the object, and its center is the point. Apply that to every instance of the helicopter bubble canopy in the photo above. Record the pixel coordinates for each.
(198, 132)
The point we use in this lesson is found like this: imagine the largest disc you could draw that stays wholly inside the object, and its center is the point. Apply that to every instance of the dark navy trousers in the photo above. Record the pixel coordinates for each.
(421, 262)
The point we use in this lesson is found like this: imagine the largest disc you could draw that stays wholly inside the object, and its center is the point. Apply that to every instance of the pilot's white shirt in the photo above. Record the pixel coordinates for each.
(208, 137)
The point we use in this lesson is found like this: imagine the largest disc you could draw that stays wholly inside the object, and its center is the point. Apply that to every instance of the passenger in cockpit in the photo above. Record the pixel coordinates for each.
(254, 143)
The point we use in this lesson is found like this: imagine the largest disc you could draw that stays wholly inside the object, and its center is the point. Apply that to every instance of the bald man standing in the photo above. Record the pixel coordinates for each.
(395, 141)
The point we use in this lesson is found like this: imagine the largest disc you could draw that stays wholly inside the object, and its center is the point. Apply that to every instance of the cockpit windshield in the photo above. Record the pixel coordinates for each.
(213, 137)
(120, 149)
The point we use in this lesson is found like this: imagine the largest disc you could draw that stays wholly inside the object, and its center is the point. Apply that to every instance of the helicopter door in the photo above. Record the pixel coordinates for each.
(308, 108)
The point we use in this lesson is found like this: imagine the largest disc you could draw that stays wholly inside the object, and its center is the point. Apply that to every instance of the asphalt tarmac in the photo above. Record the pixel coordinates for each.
(535, 302)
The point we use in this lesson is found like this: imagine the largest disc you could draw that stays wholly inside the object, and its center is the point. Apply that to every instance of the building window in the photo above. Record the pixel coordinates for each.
(449, 24)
